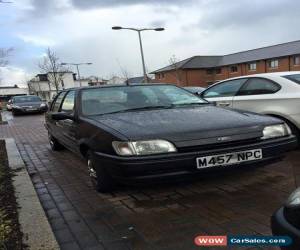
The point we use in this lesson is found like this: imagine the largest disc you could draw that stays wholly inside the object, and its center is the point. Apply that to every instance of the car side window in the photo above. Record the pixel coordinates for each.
(228, 88)
(259, 86)
(56, 105)
(68, 102)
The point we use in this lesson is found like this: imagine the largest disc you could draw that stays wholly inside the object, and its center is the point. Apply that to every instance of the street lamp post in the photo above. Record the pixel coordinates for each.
(77, 67)
(141, 45)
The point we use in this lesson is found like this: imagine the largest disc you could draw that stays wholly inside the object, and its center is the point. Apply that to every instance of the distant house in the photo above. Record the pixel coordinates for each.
(7, 92)
(135, 80)
(205, 70)
(43, 85)
(116, 80)
(96, 81)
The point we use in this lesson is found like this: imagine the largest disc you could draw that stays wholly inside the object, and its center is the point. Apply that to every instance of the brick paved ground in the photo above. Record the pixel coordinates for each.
(154, 217)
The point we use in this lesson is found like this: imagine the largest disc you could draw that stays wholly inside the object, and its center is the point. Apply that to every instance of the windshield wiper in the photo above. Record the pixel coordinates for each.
(191, 103)
(141, 108)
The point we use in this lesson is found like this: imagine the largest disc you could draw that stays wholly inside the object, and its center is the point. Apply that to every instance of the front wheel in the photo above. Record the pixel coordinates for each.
(100, 178)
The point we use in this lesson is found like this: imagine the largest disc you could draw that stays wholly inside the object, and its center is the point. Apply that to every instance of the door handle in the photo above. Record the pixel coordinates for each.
(224, 104)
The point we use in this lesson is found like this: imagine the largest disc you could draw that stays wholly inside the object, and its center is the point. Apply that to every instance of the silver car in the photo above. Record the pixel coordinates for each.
(275, 94)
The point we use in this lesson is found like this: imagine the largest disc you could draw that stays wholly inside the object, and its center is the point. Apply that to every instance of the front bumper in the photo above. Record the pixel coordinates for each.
(33, 110)
(281, 227)
(184, 164)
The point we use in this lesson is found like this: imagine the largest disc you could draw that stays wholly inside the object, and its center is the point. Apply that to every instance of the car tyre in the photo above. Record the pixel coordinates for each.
(54, 144)
(100, 178)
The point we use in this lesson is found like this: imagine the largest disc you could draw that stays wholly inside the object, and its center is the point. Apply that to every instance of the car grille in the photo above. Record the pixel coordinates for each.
(222, 145)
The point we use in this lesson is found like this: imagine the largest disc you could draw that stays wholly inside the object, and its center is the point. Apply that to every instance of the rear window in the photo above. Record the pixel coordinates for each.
(21, 99)
(295, 78)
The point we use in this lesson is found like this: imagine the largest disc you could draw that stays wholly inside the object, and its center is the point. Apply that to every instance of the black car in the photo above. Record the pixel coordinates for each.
(27, 104)
(157, 131)
(286, 220)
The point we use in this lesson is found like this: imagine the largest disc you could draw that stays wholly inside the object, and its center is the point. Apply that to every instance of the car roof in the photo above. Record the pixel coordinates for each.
(119, 85)
(282, 73)
(25, 96)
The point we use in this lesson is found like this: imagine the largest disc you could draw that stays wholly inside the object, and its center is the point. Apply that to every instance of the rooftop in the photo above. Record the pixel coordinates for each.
(196, 62)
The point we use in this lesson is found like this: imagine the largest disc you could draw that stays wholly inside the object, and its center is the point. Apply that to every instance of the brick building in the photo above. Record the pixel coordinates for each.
(205, 70)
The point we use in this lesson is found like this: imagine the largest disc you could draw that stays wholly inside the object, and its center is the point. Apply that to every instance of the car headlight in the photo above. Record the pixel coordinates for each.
(16, 107)
(294, 199)
(43, 105)
(148, 147)
(274, 131)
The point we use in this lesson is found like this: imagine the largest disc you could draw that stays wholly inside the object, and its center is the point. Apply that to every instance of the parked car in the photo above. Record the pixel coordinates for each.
(286, 220)
(9, 105)
(158, 131)
(195, 90)
(27, 104)
(275, 94)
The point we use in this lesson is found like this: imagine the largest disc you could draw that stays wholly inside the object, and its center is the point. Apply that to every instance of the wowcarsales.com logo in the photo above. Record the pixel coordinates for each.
(216, 240)
(242, 240)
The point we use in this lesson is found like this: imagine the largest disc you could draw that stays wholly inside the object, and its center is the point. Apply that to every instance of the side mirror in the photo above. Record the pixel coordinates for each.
(62, 116)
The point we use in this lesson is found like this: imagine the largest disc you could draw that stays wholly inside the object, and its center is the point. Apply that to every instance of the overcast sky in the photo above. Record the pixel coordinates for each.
(80, 31)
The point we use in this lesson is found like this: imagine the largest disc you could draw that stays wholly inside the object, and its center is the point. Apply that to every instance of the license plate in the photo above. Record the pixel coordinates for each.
(229, 158)
(30, 109)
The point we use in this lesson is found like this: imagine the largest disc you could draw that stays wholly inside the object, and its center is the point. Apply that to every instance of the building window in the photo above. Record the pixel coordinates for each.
(252, 66)
(43, 77)
(233, 69)
(162, 75)
(209, 71)
(158, 76)
(273, 63)
(296, 60)
(218, 71)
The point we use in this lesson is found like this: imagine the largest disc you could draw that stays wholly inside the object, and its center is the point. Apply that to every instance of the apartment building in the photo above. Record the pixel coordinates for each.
(43, 85)
(205, 70)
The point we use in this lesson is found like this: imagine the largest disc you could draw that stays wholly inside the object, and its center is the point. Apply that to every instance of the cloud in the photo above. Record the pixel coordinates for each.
(246, 13)
(81, 30)
(13, 75)
(36, 40)
(88, 4)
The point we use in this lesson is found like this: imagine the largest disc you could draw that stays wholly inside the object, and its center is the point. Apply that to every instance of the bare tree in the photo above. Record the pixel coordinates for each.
(51, 64)
(174, 63)
(125, 73)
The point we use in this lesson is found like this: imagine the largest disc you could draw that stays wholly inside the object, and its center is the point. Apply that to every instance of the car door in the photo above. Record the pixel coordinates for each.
(53, 127)
(222, 93)
(68, 126)
(258, 95)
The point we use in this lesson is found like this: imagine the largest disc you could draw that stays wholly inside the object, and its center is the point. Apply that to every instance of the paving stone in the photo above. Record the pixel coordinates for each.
(58, 223)
(63, 236)
(70, 246)
(53, 213)
(86, 240)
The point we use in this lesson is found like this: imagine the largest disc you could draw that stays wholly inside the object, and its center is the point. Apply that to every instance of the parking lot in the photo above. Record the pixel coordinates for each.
(169, 216)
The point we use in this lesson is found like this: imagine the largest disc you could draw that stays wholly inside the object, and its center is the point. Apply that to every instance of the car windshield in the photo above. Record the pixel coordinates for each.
(106, 100)
(295, 78)
(20, 99)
